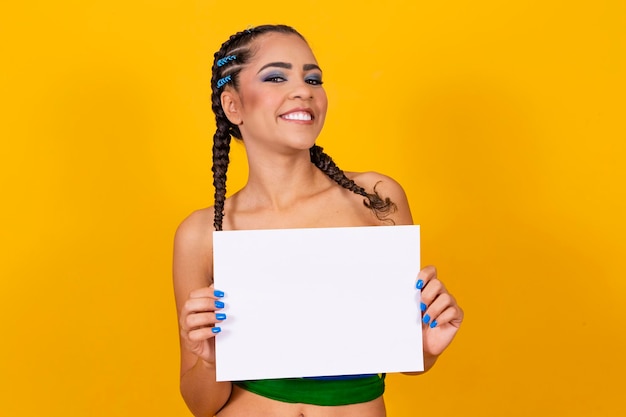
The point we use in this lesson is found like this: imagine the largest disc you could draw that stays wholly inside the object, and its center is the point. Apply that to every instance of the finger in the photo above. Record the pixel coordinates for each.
(437, 307)
(451, 315)
(202, 333)
(198, 320)
(198, 305)
(425, 275)
(206, 292)
(432, 290)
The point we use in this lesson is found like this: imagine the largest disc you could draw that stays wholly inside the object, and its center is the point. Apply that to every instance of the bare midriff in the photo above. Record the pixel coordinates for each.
(243, 403)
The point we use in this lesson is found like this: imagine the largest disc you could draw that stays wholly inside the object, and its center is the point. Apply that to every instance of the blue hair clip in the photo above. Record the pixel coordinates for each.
(223, 81)
(226, 60)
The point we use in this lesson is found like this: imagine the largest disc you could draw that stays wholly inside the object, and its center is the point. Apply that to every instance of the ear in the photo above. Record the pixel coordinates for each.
(232, 106)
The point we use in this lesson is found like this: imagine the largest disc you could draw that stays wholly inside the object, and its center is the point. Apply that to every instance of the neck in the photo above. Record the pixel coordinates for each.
(277, 181)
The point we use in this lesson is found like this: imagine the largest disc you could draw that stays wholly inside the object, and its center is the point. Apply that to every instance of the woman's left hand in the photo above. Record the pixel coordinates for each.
(441, 315)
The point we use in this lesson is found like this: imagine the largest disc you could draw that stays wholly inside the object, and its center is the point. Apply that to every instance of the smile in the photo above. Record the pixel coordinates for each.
(300, 115)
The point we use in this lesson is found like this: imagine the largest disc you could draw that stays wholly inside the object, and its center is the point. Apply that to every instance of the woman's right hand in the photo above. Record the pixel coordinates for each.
(198, 320)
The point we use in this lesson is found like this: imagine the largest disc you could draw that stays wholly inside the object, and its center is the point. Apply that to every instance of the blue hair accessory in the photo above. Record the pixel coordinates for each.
(226, 60)
(222, 81)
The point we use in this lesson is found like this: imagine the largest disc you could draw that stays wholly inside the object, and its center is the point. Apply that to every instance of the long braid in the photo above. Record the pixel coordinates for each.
(379, 206)
(221, 149)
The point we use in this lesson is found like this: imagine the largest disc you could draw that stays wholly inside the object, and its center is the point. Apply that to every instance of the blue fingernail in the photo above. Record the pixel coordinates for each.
(426, 319)
(220, 316)
(423, 306)
(218, 293)
(433, 324)
(216, 329)
(420, 284)
(219, 304)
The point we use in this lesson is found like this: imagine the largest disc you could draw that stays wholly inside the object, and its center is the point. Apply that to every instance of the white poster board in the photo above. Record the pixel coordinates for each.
(317, 302)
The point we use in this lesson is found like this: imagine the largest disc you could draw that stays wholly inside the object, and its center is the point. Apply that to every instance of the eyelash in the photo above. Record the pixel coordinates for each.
(314, 81)
(274, 78)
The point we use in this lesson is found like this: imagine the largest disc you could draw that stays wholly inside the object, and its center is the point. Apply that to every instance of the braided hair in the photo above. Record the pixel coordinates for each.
(228, 63)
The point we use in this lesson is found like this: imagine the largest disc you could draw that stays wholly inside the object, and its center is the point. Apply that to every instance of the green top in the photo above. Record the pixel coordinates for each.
(326, 391)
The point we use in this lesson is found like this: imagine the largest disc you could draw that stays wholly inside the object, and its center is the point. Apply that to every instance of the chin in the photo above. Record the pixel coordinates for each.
(305, 144)
(301, 142)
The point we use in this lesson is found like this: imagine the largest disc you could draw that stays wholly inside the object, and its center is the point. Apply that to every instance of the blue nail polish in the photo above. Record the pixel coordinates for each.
(219, 304)
(220, 316)
(426, 319)
(216, 329)
(423, 306)
(433, 324)
(420, 284)
(218, 293)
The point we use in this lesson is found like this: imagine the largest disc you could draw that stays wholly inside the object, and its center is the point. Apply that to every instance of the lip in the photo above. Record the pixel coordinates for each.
(298, 110)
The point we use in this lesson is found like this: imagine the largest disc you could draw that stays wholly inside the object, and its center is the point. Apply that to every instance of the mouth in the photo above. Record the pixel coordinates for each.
(298, 115)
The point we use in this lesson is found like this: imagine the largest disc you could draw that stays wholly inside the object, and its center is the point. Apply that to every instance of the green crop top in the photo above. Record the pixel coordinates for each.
(328, 391)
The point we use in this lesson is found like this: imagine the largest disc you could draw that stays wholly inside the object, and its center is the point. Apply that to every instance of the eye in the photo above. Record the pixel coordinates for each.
(274, 78)
(314, 80)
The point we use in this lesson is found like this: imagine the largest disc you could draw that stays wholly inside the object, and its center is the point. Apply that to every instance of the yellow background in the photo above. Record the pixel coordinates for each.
(504, 121)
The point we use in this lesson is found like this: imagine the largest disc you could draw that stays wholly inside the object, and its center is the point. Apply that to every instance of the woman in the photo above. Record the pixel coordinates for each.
(267, 90)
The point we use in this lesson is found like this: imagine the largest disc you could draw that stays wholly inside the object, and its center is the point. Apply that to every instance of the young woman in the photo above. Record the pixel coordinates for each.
(267, 91)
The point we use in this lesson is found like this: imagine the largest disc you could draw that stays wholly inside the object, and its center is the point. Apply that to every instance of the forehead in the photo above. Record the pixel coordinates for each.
(281, 47)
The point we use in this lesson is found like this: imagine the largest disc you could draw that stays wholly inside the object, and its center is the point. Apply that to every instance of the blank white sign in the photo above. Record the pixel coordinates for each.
(317, 302)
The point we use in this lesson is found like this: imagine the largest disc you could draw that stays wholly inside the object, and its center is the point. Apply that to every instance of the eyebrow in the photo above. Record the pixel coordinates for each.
(286, 65)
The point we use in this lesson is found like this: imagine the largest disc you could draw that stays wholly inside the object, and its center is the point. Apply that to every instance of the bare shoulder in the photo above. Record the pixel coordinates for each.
(193, 252)
(375, 181)
(385, 187)
(196, 229)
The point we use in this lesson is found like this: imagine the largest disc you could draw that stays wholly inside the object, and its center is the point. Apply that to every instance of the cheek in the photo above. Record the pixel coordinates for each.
(250, 100)
(262, 100)
(323, 101)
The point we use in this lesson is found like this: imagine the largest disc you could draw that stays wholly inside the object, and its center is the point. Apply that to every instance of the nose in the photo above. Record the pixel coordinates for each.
(302, 90)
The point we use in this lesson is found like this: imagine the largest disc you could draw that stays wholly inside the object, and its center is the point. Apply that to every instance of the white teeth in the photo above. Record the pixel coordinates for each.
(297, 116)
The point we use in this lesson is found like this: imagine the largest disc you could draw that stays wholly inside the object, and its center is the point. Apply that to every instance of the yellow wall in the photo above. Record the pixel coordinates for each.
(503, 120)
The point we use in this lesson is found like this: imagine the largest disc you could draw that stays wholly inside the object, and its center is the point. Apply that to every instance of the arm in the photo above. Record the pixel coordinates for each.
(195, 304)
